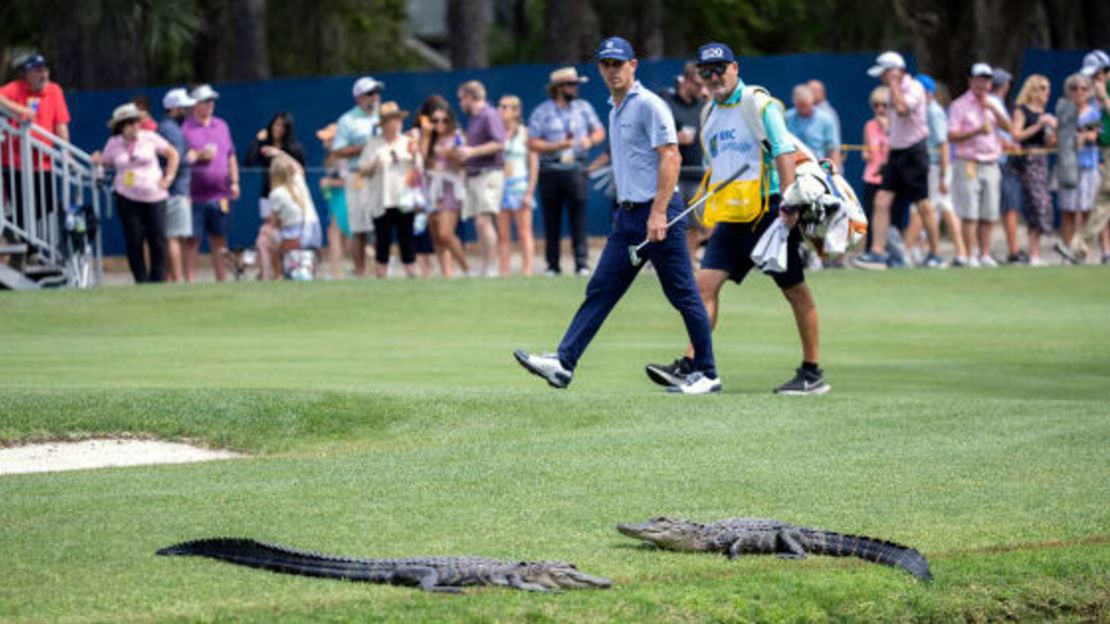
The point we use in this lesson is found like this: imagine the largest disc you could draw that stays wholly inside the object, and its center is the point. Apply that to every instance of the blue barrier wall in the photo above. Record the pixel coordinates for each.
(315, 102)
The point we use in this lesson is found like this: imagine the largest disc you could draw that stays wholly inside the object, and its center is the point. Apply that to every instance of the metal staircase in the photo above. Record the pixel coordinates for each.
(49, 218)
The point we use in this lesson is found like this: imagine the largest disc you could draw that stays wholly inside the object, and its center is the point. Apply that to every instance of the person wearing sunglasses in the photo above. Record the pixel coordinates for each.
(646, 161)
(742, 126)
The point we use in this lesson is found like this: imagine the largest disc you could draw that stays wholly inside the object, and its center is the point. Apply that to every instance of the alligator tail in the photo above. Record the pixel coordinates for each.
(254, 554)
(870, 549)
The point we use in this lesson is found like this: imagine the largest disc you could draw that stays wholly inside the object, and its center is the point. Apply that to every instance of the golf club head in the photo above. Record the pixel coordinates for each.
(634, 255)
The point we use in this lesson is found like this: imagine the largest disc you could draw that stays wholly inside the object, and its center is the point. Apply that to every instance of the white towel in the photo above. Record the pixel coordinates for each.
(770, 252)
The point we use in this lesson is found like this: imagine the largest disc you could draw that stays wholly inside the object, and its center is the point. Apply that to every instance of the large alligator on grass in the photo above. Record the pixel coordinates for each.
(743, 536)
(432, 574)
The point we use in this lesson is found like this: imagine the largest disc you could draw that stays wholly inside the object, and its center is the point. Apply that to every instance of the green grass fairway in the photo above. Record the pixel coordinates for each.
(970, 418)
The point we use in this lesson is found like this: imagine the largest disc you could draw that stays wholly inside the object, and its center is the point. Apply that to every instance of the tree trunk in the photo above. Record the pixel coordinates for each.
(648, 41)
(562, 32)
(468, 25)
(247, 57)
(948, 37)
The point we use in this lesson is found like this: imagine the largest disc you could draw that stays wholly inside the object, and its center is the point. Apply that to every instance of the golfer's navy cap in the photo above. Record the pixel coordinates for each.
(715, 53)
(615, 48)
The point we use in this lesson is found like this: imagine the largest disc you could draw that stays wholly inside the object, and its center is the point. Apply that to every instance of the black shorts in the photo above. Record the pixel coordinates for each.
(731, 244)
(906, 173)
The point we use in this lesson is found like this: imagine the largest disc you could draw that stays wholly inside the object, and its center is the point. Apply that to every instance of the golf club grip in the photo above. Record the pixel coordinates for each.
(736, 174)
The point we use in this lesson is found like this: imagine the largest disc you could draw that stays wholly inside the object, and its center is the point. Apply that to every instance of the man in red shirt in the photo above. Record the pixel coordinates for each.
(33, 97)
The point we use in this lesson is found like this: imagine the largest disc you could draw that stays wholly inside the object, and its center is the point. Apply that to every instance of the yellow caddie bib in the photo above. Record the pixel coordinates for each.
(729, 144)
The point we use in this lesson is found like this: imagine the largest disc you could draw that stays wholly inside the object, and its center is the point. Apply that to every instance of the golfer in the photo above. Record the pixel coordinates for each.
(744, 126)
(646, 161)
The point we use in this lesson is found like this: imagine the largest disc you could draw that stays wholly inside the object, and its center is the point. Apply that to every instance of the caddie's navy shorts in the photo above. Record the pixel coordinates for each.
(730, 249)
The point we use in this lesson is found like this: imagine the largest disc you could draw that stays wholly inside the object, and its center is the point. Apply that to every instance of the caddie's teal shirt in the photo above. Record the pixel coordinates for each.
(642, 123)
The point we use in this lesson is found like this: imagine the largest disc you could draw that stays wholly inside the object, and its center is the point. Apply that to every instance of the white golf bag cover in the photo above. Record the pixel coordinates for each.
(830, 214)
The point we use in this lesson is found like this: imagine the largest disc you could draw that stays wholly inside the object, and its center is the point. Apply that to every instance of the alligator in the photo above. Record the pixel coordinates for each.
(431, 574)
(741, 536)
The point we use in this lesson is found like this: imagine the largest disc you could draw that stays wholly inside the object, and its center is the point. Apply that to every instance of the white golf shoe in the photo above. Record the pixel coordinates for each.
(546, 365)
(697, 383)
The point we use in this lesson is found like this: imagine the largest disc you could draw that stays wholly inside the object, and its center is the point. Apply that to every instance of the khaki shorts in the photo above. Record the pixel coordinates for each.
(942, 202)
(179, 217)
(976, 190)
(483, 193)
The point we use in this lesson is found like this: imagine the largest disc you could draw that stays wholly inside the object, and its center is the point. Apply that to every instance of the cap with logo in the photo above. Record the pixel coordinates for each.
(177, 98)
(981, 70)
(1095, 61)
(565, 75)
(204, 93)
(365, 85)
(885, 61)
(615, 48)
(715, 53)
(31, 61)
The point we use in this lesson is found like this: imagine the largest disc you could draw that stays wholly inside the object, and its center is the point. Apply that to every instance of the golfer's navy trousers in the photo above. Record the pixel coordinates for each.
(615, 272)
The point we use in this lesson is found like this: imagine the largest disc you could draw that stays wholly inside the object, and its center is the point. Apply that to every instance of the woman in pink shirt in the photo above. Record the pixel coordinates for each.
(140, 188)
(876, 142)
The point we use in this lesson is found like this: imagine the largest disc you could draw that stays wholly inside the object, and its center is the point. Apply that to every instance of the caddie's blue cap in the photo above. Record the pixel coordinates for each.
(715, 53)
(616, 48)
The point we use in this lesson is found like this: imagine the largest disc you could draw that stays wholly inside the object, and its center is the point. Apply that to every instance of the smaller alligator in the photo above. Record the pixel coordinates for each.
(741, 536)
(432, 574)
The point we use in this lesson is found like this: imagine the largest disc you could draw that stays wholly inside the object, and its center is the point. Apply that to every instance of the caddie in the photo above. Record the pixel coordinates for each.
(743, 125)
(644, 148)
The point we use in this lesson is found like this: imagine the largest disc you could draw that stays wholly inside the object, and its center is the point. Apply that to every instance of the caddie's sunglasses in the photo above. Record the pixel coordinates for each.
(708, 71)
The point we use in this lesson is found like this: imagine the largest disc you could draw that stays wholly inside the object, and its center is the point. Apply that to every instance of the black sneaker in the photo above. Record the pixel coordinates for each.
(670, 375)
(805, 382)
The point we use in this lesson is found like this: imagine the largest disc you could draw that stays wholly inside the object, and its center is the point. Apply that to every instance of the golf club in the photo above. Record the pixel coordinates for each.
(634, 250)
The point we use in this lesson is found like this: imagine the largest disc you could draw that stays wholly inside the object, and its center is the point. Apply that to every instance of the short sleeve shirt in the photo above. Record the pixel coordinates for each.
(687, 115)
(553, 123)
(938, 130)
(211, 178)
(642, 123)
(171, 131)
(966, 114)
(485, 126)
(48, 106)
(354, 128)
(138, 171)
(817, 132)
(912, 128)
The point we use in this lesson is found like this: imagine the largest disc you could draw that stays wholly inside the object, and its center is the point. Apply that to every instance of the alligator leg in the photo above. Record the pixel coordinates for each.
(734, 550)
(427, 579)
(518, 583)
(789, 546)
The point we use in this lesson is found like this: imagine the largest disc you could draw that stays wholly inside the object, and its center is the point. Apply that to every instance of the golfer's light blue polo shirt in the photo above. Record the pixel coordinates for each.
(642, 123)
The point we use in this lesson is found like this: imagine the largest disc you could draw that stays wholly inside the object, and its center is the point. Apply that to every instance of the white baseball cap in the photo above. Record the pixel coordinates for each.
(366, 84)
(204, 93)
(1094, 61)
(177, 98)
(887, 60)
(981, 70)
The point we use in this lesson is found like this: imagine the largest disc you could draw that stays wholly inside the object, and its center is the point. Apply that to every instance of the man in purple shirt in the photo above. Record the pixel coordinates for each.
(215, 181)
(906, 173)
(483, 156)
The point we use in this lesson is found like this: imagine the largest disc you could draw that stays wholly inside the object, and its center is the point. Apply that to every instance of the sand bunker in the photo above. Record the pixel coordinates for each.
(104, 453)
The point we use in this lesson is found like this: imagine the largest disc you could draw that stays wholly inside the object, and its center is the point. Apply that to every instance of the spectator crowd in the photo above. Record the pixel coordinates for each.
(408, 182)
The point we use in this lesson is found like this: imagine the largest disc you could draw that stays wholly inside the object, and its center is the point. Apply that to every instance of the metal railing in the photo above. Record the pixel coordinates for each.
(51, 200)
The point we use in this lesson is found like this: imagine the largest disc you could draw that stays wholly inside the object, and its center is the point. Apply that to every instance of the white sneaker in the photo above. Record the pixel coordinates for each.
(697, 383)
(973, 262)
(987, 262)
(546, 365)
(582, 272)
(1037, 261)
